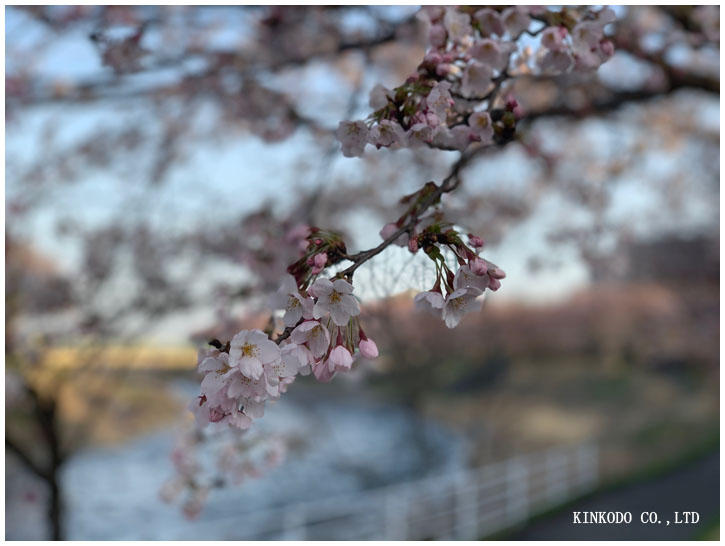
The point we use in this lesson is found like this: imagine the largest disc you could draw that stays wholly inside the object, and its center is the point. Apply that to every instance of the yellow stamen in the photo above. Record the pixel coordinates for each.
(249, 350)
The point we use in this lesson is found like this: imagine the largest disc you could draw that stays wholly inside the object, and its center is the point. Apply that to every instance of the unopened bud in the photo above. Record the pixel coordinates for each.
(475, 240)
(478, 266)
(320, 260)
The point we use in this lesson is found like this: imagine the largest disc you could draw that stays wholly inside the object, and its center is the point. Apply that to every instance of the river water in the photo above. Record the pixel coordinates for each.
(350, 442)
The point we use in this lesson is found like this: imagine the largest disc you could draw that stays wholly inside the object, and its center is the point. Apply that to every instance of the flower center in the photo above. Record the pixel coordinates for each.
(249, 350)
(292, 302)
(335, 297)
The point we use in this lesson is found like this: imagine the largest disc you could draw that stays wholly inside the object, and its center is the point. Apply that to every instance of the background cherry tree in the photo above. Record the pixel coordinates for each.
(348, 138)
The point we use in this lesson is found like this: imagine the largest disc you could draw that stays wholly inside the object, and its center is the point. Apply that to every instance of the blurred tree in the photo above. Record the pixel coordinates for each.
(116, 133)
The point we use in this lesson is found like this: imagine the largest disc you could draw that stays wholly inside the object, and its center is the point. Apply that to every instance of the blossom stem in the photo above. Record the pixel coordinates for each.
(449, 184)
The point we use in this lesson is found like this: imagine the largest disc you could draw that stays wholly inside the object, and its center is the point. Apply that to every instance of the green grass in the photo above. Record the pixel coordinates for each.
(710, 530)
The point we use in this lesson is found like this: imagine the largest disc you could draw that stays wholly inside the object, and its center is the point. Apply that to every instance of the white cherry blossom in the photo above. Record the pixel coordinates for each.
(335, 298)
(294, 304)
(465, 278)
(490, 21)
(481, 126)
(460, 302)
(250, 350)
(379, 96)
(430, 302)
(353, 135)
(388, 133)
(458, 24)
(516, 20)
(314, 334)
(439, 100)
(476, 79)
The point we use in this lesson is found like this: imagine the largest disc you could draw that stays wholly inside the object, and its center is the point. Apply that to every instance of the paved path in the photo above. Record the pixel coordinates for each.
(695, 487)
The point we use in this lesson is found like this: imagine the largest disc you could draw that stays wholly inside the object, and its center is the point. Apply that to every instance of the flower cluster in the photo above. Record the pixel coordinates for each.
(323, 333)
(235, 460)
(573, 43)
(431, 233)
(449, 102)
(465, 288)
(319, 249)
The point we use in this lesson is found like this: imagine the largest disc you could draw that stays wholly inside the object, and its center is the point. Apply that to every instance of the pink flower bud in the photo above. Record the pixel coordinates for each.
(433, 59)
(368, 348)
(494, 285)
(340, 358)
(388, 230)
(475, 240)
(413, 245)
(320, 260)
(478, 266)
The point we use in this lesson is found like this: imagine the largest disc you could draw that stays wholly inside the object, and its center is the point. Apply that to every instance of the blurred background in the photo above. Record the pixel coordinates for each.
(156, 157)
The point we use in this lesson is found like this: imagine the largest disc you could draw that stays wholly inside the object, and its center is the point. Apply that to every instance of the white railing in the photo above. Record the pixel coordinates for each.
(467, 504)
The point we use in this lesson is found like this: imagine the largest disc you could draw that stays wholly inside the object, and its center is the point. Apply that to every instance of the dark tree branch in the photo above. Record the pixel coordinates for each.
(25, 458)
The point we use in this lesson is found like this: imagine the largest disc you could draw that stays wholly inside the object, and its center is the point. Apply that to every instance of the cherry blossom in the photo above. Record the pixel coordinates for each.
(250, 350)
(241, 386)
(336, 299)
(314, 335)
(439, 100)
(457, 24)
(465, 278)
(491, 53)
(481, 126)
(387, 133)
(516, 20)
(476, 79)
(469, 57)
(287, 366)
(379, 96)
(353, 136)
(553, 38)
(322, 372)
(295, 305)
(460, 302)
(303, 354)
(431, 302)
(489, 21)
